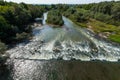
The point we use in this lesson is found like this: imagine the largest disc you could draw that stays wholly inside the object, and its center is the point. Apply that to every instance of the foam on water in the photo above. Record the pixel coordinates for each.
(68, 42)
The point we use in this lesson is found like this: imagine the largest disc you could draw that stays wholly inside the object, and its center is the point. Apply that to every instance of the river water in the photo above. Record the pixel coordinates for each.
(48, 54)
(68, 42)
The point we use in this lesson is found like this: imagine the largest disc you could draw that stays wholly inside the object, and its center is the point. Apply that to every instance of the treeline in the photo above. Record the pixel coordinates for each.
(14, 20)
(108, 12)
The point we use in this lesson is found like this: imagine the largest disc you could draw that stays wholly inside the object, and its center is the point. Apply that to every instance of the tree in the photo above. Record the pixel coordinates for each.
(54, 17)
(79, 17)
(116, 11)
(103, 7)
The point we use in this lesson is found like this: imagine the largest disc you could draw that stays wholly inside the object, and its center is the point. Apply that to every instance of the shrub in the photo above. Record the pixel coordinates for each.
(21, 36)
(2, 48)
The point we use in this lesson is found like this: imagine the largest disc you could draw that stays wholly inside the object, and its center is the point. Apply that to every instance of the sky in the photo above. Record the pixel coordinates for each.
(58, 1)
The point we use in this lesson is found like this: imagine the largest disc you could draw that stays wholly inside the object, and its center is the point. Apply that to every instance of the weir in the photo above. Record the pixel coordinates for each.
(68, 42)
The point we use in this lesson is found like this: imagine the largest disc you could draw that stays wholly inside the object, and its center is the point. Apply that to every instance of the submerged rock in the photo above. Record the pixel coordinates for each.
(56, 49)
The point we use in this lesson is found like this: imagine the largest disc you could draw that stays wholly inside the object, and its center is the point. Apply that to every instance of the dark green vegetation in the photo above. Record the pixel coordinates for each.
(54, 17)
(14, 21)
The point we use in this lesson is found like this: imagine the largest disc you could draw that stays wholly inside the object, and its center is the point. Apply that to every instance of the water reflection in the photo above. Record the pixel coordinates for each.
(62, 70)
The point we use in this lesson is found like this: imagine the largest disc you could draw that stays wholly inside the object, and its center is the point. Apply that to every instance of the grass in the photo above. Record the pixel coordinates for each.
(78, 23)
(101, 27)
(84, 25)
(115, 38)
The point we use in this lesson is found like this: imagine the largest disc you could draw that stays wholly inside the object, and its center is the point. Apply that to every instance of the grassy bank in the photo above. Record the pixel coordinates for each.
(102, 18)
(111, 32)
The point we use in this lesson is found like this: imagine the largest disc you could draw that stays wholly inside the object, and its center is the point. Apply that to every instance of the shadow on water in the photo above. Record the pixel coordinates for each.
(5, 71)
(20, 69)
(68, 42)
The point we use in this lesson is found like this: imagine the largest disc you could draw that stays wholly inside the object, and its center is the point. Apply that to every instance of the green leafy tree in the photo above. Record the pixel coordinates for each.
(4, 29)
(116, 11)
(54, 17)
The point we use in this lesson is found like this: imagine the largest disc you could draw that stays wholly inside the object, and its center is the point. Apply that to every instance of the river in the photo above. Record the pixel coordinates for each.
(59, 54)
(68, 42)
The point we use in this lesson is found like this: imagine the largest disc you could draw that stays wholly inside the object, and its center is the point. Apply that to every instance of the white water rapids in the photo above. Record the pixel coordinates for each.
(68, 42)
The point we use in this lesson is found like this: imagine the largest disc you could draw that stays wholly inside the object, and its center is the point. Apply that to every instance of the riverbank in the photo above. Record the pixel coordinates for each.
(5, 55)
(106, 31)
(27, 37)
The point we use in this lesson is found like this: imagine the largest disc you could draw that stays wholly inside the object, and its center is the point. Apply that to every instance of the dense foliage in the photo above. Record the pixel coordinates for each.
(14, 20)
(108, 12)
(54, 17)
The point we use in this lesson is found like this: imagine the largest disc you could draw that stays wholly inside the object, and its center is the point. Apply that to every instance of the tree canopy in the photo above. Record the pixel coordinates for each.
(14, 19)
(55, 17)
